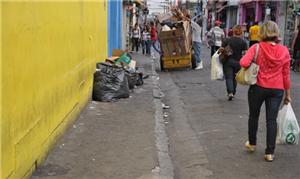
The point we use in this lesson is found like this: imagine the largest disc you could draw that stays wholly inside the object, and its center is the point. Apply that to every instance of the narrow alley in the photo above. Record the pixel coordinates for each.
(147, 89)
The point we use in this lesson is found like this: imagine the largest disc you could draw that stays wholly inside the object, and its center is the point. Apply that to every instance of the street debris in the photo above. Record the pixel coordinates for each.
(165, 115)
(165, 106)
(98, 114)
(116, 77)
(50, 170)
(61, 146)
(94, 102)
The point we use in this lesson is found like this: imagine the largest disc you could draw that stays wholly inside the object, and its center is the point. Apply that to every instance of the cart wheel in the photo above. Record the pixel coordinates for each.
(161, 64)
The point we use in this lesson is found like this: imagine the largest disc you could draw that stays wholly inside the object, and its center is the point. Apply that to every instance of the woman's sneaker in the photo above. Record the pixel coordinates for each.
(249, 147)
(230, 97)
(269, 157)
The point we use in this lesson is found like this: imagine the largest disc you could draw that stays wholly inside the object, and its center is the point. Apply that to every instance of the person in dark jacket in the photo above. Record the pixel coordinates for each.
(231, 66)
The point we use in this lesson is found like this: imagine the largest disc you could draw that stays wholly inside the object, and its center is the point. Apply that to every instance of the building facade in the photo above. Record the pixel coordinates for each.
(258, 11)
(47, 67)
(115, 25)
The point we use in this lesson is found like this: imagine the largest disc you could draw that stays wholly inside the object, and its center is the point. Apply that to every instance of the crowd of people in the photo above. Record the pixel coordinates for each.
(145, 38)
(260, 41)
(273, 79)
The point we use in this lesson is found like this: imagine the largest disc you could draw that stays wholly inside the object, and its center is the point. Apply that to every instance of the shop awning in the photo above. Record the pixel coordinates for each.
(220, 5)
(246, 1)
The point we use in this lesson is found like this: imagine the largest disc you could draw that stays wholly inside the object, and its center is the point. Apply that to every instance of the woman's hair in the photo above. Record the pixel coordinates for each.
(269, 31)
(237, 30)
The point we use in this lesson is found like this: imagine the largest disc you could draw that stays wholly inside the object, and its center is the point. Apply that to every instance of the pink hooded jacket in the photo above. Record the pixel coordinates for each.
(274, 65)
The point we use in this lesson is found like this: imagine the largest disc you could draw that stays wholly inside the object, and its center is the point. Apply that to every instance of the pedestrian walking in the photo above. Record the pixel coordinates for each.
(154, 38)
(145, 40)
(230, 32)
(215, 36)
(196, 38)
(296, 49)
(273, 82)
(135, 34)
(245, 32)
(253, 34)
(237, 45)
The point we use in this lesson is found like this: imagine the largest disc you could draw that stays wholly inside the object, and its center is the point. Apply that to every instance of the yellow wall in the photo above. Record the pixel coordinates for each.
(49, 50)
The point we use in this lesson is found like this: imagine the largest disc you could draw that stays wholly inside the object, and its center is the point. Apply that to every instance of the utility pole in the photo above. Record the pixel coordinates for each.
(204, 22)
(133, 14)
(213, 19)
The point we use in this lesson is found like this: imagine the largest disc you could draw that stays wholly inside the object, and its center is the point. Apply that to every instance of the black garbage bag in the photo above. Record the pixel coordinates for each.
(110, 83)
(139, 79)
(135, 79)
(132, 79)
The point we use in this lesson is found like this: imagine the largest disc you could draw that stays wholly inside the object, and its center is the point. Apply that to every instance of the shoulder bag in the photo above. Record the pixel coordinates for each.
(248, 76)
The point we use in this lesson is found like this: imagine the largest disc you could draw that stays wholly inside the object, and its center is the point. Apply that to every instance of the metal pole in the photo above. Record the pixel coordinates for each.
(213, 19)
(204, 29)
(133, 15)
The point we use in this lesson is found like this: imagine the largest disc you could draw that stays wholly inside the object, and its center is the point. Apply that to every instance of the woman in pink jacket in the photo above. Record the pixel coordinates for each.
(273, 82)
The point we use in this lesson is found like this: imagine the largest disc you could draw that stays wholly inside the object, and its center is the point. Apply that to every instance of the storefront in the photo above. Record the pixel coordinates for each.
(292, 19)
(255, 11)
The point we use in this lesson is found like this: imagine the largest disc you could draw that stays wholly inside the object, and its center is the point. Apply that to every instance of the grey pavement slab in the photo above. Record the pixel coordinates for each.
(109, 140)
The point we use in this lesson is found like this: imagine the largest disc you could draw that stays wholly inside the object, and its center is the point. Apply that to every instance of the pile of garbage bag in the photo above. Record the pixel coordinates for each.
(115, 78)
(110, 83)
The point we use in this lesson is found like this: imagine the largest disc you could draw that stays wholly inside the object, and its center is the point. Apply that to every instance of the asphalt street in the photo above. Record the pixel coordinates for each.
(207, 132)
(201, 135)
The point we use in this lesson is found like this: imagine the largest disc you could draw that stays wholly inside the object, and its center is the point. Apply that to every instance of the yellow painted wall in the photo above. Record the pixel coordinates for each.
(49, 51)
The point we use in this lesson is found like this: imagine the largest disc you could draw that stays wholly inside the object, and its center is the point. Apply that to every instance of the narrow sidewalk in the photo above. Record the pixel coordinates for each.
(109, 140)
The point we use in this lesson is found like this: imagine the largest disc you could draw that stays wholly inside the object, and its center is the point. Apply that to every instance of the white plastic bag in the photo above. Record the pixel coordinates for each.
(216, 72)
(287, 126)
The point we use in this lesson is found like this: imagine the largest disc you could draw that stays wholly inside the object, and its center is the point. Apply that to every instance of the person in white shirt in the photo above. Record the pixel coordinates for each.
(216, 35)
(196, 38)
(135, 34)
(145, 40)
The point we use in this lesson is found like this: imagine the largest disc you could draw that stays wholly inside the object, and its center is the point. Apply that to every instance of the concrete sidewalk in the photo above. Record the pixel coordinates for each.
(109, 140)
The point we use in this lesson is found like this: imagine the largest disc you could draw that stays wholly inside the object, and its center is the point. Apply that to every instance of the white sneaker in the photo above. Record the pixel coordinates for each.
(199, 66)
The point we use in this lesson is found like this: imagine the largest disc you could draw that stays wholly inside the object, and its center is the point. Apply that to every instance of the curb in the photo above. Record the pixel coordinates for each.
(166, 169)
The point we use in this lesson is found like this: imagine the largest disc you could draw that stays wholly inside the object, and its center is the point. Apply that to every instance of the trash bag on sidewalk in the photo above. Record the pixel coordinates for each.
(287, 126)
(216, 72)
(134, 79)
(110, 83)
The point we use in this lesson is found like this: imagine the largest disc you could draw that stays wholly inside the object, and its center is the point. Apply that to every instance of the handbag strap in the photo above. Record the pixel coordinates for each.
(256, 53)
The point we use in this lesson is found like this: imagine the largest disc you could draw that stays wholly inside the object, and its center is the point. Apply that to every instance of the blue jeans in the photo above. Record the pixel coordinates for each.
(197, 50)
(230, 68)
(153, 45)
(148, 43)
(272, 98)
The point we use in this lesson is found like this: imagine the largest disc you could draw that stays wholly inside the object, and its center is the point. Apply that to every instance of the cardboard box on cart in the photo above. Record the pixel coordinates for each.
(176, 42)
(176, 46)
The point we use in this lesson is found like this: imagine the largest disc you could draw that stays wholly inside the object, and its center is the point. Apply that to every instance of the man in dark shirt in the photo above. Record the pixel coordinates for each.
(231, 65)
